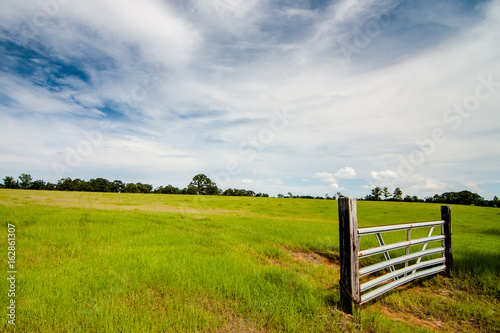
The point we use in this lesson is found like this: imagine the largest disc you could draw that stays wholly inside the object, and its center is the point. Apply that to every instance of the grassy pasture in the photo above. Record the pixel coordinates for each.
(102, 262)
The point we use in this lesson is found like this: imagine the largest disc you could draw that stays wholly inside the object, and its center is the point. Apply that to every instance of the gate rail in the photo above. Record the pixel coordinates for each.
(353, 292)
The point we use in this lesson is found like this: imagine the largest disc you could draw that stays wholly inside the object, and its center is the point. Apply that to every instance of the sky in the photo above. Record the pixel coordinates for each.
(311, 97)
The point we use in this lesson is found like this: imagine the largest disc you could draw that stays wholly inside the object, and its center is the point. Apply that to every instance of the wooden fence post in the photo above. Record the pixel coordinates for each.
(448, 251)
(350, 292)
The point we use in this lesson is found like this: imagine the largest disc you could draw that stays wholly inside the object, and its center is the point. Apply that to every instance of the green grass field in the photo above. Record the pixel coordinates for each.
(102, 262)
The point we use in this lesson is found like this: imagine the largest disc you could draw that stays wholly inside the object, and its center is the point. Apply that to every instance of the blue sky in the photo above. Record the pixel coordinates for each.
(309, 97)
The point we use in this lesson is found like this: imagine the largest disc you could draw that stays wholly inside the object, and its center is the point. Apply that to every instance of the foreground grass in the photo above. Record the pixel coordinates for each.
(91, 262)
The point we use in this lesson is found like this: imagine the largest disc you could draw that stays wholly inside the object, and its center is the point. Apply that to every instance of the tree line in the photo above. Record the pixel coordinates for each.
(459, 198)
(200, 185)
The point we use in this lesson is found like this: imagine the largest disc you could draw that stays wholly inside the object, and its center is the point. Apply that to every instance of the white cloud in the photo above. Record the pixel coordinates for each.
(325, 177)
(384, 175)
(247, 181)
(30, 97)
(346, 173)
(151, 24)
(275, 181)
(425, 185)
(411, 185)
(336, 187)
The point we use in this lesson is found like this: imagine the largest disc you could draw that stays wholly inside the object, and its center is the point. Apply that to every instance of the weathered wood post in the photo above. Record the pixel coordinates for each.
(448, 249)
(350, 292)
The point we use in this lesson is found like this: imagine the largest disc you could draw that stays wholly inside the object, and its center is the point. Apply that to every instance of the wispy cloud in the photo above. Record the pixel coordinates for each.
(187, 85)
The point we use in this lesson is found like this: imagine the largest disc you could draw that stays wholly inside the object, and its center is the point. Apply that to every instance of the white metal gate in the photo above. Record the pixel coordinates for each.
(413, 263)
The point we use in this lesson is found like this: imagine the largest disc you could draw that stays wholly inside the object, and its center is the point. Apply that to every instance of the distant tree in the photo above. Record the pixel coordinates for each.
(470, 198)
(460, 198)
(130, 188)
(328, 197)
(25, 181)
(82, 185)
(116, 186)
(37, 185)
(340, 195)
(49, 187)
(386, 193)
(241, 193)
(290, 194)
(99, 185)
(414, 198)
(376, 193)
(281, 195)
(144, 188)
(189, 190)
(203, 185)
(169, 189)
(229, 192)
(65, 184)
(9, 182)
(398, 194)
(495, 198)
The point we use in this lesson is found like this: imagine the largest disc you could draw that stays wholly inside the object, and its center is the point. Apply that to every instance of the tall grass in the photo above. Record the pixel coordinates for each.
(92, 262)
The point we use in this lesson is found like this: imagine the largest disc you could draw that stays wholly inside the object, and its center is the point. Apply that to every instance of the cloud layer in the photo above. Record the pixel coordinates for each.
(308, 97)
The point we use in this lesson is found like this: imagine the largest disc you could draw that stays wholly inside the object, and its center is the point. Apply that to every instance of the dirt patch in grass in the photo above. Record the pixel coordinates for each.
(409, 318)
(315, 258)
